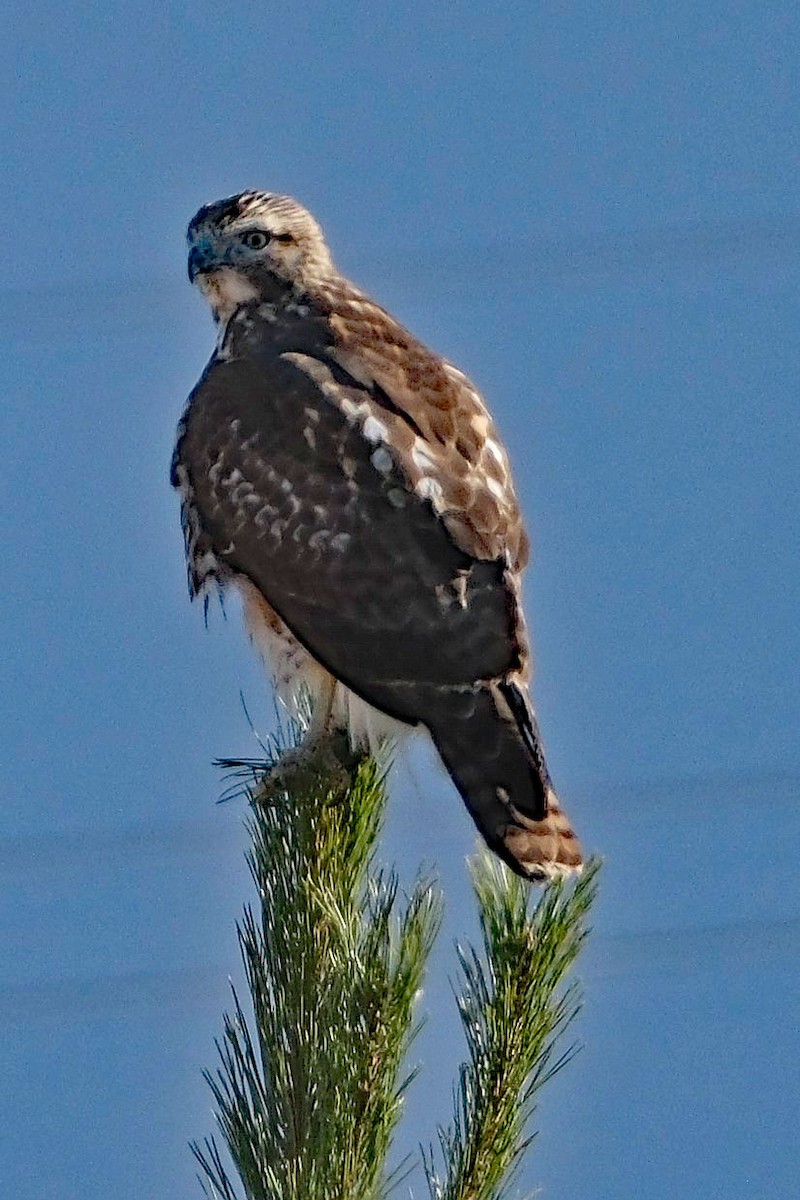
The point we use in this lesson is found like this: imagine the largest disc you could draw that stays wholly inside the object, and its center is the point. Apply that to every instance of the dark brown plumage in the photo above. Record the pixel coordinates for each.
(352, 484)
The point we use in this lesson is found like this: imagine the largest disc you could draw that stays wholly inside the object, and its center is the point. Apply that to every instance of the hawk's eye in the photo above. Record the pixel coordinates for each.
(256, 239)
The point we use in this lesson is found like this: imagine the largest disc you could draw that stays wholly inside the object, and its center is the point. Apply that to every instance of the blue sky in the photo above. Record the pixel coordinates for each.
(593, 210)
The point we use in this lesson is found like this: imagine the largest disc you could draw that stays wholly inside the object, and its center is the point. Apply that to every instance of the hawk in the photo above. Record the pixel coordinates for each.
(351, 484)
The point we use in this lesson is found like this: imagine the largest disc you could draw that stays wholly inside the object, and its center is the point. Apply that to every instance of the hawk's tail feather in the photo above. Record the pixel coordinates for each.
(489, 741)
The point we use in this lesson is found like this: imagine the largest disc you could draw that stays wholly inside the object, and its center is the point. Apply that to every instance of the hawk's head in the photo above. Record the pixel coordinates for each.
(239, 247)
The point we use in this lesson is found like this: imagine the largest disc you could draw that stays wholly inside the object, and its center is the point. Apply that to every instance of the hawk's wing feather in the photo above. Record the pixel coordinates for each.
(328, 526)
(448, 442)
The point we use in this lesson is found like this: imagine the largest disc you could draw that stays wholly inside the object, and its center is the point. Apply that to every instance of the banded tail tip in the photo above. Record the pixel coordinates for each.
(544, 850)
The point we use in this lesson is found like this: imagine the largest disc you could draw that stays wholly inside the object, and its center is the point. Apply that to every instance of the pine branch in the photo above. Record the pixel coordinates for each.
(334, 959)
(309, 1091)
(514, 1011)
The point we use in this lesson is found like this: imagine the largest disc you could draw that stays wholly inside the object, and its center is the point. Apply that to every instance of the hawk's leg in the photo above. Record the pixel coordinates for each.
(325, 754)
(322, 723)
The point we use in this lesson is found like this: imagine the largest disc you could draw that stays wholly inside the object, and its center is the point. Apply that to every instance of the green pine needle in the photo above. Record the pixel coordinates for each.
(334, 957)
(514, 1011)
(309, 1090)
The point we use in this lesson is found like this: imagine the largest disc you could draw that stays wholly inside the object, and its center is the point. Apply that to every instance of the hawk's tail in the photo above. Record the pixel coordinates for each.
(489, 742)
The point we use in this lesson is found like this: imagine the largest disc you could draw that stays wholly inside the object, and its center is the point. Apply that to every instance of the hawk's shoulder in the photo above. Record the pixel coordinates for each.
(432, 419)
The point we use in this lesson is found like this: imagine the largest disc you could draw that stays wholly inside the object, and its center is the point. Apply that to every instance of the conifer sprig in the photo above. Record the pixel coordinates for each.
(514, 1010)
(309, 1090)
(308, 1094)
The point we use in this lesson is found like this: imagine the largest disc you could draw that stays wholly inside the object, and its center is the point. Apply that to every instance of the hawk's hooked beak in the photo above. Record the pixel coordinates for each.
(201, 258)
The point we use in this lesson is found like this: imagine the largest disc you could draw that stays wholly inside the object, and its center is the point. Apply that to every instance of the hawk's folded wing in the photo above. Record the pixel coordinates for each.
(326, 494)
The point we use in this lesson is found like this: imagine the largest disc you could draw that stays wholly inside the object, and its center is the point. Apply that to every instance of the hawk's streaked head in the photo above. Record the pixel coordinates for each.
(239, 247)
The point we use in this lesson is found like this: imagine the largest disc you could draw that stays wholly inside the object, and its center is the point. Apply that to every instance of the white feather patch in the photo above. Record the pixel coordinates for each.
(381, 460)
(421, 456)
(430, 489)
(374, 430)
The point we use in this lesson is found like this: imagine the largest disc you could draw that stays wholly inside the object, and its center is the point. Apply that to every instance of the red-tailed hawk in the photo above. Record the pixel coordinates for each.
(352, 485)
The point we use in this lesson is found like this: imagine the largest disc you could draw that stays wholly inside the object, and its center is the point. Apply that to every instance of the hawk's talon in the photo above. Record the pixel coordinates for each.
(322, 758)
